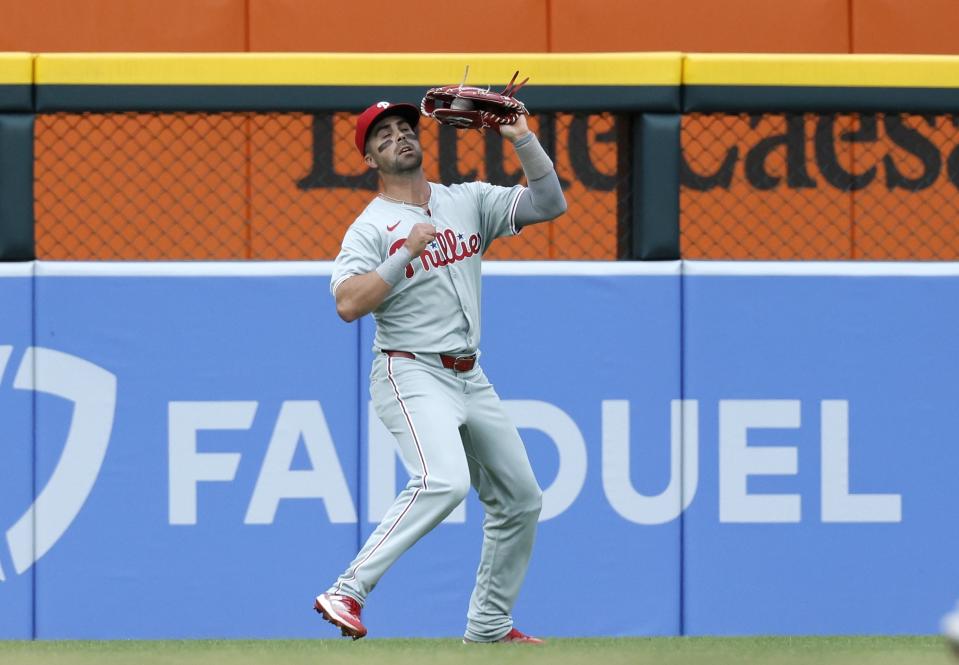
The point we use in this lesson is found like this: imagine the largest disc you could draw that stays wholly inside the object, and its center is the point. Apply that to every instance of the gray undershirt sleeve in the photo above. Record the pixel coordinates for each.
(543, 199)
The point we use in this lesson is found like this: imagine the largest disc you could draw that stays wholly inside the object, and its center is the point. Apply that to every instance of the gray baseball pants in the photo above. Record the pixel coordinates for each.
(453, 433)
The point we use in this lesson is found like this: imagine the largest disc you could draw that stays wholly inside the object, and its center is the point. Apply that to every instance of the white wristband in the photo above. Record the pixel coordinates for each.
(393, 268)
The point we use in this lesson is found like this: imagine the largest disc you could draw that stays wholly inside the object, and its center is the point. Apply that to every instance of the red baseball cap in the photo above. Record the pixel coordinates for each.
(369, 117)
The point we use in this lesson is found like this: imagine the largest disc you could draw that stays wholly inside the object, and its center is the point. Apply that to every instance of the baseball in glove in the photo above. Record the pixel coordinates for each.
(468, 107)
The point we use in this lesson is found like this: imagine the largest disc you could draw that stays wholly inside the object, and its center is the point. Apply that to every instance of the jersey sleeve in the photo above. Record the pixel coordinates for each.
(360, 253)
(497, 207)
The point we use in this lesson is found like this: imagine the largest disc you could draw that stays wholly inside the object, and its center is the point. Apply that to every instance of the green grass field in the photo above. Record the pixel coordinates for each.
(635, 651)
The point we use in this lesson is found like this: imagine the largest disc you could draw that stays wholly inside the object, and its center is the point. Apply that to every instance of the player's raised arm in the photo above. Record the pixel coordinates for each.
(359, 295)
(468, 107)
(543, 200)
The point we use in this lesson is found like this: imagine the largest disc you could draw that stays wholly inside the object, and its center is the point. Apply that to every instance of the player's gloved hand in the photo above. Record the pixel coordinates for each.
(468, 107)
(420, 236)
(516, 131)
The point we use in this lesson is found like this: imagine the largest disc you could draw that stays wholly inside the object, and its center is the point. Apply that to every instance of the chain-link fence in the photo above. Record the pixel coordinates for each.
(820, 186)
(287, 185)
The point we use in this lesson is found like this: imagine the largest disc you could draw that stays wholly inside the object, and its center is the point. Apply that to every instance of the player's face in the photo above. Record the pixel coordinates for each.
(393, 147)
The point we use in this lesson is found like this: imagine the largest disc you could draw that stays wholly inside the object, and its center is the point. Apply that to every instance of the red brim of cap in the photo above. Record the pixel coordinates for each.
(370, 116)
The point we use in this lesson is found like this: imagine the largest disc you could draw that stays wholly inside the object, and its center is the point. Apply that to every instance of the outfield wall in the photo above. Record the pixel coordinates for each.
(152, 156)
(725, 448)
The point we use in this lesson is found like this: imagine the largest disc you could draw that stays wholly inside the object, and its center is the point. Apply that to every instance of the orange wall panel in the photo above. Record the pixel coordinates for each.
(755, 188)
(906, 209)
(767, 26)
(415, 26)
(141, 186)
(773, 26)
(905, 26)
(294, 217)
(122, 25)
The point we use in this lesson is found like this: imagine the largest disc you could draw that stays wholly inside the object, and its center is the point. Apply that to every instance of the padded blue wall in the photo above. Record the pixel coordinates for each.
(727, 451)
(882, 350)
(16, 448)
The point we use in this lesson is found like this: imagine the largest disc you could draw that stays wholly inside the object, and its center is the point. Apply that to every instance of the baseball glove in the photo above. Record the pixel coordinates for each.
(468, 107)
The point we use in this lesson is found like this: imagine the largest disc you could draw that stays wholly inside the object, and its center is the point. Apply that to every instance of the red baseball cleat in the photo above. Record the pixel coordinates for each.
(514, 636)
(343, 612)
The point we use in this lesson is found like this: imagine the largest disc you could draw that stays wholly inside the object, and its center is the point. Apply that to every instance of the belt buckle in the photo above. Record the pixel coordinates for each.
(468, 363)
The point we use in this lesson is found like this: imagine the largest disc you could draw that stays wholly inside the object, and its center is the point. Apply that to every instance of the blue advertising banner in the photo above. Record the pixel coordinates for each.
(199, 449)
(16, 450)
(827, 442)
(200, 446)
(586, 360)
(743, 448)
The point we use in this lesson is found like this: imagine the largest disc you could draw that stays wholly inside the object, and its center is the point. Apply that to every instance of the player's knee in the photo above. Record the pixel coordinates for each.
(459, 490)
(452, 489)
(529, 502)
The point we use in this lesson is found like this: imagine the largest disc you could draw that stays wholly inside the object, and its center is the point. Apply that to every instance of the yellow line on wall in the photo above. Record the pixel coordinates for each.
(893, 71)
(16, 69)
(357, 69)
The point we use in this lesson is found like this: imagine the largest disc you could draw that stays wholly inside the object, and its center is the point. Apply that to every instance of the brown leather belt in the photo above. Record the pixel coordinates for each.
(457, 363)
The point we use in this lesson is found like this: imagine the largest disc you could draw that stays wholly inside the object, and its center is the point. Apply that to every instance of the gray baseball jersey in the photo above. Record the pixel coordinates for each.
(450, 425)
(417, 314)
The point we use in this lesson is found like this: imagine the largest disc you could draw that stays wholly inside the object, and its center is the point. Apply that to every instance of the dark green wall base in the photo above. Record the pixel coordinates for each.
(16, 187)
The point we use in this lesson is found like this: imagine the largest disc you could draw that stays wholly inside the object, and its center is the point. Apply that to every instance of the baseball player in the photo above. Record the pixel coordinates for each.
(412, 258)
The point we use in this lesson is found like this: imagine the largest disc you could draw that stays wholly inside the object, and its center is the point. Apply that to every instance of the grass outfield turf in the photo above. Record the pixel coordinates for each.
(605, 651)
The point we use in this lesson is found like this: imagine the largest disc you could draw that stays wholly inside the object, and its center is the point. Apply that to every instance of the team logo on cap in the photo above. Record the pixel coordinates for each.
(382, 105)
